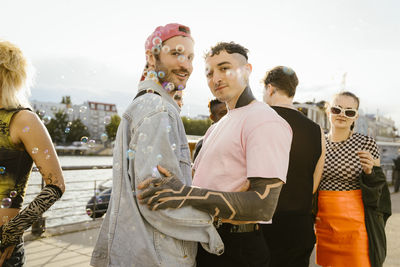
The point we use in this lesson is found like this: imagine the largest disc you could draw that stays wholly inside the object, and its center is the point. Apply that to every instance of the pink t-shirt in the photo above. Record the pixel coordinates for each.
(251, 141)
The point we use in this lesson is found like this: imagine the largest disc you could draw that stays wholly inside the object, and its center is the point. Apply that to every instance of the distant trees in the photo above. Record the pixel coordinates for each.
(195, 126)
(112, 127)
(66, 100)
(63, 131)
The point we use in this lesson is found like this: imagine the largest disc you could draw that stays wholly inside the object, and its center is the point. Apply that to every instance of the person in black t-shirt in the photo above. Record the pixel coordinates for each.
(291, 237)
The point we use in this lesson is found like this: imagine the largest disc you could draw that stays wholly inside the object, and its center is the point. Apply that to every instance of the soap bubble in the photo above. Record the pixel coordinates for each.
(156, 49)
(130, 154)
(25, 129)
(159, 158)
(6, 203)
(161, 74)
(157, 41)
(107, 119)
(69, 124)
(2, 170)
(67, 130)
(13, 193)
(46, 119)
(91, 143)
(168, 128)
(180, 48)
(82, 109)
(103, 137)
(41, 112)
(142, 137)
(84, 139)
(173, 146)
(89, 212)
(70, 110)
(181, 58)
(35, 150)
(165, 49)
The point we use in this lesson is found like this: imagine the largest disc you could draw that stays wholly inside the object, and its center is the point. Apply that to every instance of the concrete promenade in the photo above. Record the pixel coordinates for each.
(72, 245)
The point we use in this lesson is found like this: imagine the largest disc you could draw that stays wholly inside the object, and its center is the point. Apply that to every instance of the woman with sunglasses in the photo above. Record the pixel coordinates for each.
(23, 140)
(353, 198)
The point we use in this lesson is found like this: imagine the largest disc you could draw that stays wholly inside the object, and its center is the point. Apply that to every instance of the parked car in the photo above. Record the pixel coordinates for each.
(98, 204)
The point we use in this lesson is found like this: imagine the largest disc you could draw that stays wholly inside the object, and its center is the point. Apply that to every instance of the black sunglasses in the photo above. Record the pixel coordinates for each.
(348, 112)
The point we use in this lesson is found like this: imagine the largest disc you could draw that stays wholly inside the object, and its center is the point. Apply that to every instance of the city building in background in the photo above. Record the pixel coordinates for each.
(94, 115)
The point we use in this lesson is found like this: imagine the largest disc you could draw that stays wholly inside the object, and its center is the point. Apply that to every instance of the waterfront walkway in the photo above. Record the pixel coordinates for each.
(72, 245)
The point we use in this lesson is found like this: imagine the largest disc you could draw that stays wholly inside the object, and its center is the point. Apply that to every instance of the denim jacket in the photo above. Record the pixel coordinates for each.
(151, 132)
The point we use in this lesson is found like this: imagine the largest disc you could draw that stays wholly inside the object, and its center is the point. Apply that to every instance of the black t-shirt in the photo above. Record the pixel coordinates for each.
(296, 194)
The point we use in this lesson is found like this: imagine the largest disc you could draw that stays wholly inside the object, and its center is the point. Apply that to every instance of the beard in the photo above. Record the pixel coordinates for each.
(169, 76)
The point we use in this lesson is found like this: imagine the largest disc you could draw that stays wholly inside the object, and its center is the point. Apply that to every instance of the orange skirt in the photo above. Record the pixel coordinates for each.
(340, 229)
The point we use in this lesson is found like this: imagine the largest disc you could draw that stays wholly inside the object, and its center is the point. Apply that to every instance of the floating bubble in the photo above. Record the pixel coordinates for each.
(157, 40)
(169, 87)
(149, 149)
(84, 118)
(165, 49)
(48, 157)
(103, 137)
(107, 119)
(288, 71)
(168, 128)
(156, 49)
(173, 146)
(89, 212)
(6, 203)
(230, 74)
(13, 193)
(82, 109)
(67, 130)
(41, 112)
(99, 200)
(146, 120)
(91, 143)
(161, 74)
(70, 110)
(159, 158)
(151, 74)
(53, 108)
(35, 150)
(180, 48)
(2, 170)
(130, 154)
(46, 119)
(181, 87)
(155, 172)
(84, 139)
(181, 58)
(5, 219)
(25, 129)
(142, 137)
(46, 151)
(69, 124)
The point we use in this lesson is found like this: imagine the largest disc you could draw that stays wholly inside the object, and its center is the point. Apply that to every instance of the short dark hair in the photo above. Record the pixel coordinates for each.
(230, 48)
(283, 78)
(212, 104)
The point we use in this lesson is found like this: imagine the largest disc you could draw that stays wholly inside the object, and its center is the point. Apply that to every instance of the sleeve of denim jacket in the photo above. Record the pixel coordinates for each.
(156, 141)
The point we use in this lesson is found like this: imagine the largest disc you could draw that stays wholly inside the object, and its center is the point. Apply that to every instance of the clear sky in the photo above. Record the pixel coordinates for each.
(94, 49)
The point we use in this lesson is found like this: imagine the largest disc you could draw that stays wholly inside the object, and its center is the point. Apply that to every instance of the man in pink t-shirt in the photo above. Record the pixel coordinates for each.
(247, 150)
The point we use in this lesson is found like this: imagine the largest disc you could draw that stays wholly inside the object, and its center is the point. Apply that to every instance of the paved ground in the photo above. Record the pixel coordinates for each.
(73, 248)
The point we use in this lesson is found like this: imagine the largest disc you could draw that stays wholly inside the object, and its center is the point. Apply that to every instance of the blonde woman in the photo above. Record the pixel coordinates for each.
(23, 140)
(353, 197)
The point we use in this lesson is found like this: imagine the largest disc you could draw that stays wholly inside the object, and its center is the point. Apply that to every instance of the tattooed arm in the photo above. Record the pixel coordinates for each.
(37, 143)
(256, 204)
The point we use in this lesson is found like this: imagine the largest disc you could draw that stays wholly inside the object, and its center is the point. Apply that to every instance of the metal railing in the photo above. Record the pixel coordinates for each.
(74, 206)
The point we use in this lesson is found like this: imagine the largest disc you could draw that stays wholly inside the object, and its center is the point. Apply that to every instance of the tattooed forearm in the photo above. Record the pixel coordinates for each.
(11, 232)
(257, 204)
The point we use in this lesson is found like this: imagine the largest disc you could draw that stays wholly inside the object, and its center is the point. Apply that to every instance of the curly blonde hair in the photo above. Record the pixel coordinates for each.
(15, 77)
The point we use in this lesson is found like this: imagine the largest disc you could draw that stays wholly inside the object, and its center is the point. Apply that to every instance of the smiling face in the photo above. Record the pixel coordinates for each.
(175, 60)
(227, 76)
(340, 121)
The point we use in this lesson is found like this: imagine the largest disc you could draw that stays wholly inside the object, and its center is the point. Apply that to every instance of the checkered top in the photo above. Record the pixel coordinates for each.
(342, 166)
